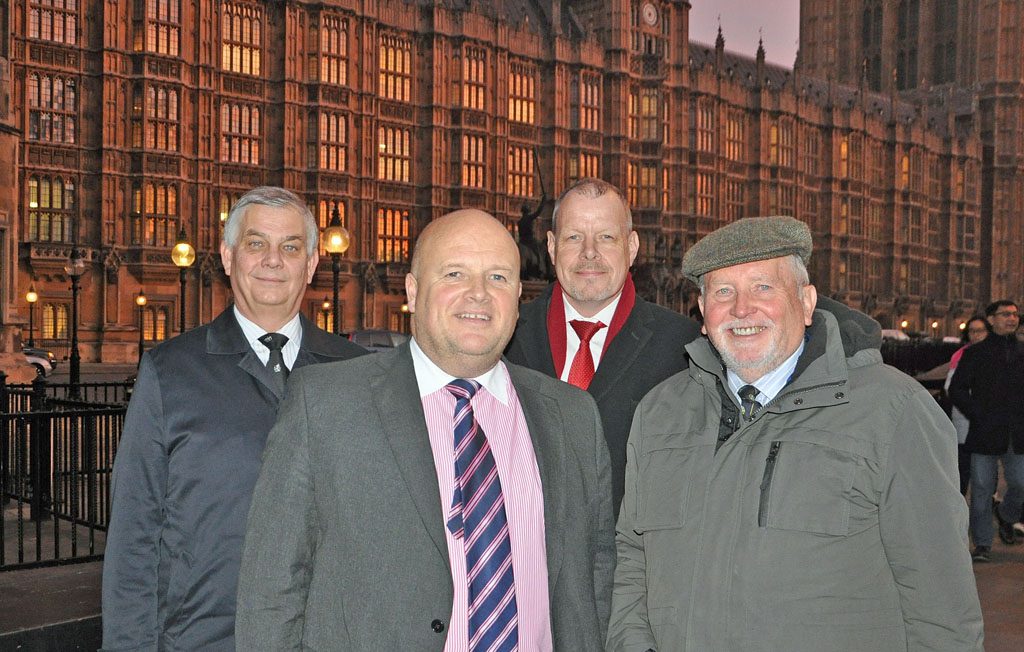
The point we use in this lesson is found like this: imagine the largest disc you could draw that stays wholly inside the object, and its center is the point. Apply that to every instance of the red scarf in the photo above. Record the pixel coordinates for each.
(556, 321)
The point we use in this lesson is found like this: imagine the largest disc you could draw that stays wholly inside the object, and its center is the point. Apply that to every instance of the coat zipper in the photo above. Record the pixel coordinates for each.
(766, 483)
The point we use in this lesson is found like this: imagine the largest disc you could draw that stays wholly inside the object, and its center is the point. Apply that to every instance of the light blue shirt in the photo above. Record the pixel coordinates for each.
(769, 385)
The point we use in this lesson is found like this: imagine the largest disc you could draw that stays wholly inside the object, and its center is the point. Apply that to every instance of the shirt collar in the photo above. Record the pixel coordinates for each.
(770, 384)
(431, 377)
(604, 316)
(253, 332)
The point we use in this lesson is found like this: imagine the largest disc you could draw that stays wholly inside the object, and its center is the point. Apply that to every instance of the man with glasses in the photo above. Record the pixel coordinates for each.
(986, 387)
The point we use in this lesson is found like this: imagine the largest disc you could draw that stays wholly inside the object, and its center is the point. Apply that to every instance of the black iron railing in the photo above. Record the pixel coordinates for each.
(56, 457)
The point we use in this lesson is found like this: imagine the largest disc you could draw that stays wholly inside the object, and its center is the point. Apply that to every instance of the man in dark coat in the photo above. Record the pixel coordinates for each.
(986, 388)
(194, 434)
(636, 344)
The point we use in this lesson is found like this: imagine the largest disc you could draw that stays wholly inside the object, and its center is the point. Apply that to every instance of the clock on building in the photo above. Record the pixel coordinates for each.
(650, 14)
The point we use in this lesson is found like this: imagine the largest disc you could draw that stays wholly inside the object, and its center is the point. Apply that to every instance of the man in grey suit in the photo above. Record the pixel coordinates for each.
(433, 497)
(199, 416)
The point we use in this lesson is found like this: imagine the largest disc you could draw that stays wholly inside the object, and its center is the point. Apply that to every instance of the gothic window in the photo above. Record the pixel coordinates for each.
(163, 27)
(395, 64)
(162, 118)
(520, 171)
(522, 92)
(51, 207)
(394, 152)
(53, 20)
(53, 110)
(590, 101)
(241, 37)
(392, 235)
(473, 160)
(474, 78)
(154, 214)
(334, 50)
(240, 133)
(333, 141)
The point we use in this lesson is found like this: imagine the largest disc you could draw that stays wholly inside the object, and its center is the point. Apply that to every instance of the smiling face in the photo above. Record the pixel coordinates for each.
(268, 265)
(755, 314)
(592, 250)
(463, 292)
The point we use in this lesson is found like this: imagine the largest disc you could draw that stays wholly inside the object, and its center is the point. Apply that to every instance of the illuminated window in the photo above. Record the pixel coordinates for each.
(584, 165)
(51, 206)
(632, 183)
(241, 37)
(240, 133)
(473, 160)
(333, 141)
(649, 183)
(735, 136)
(162, 118)
(705, 126)
(773, 145)
(395, 65)
(520, 171)
(53, 20)
(844, 158)
(474, 78)
(522, 92)
(392, 235)
(649, 100)
(705, 194)
(154, 214)
(590, 102)
(393, 153)
(163, 26)
(334, 50)
(633, 117)
(55, 321)
(53, 111)
(154, 323)
(905, 173)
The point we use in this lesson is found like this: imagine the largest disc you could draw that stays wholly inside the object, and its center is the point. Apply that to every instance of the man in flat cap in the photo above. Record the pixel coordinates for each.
(788, 491)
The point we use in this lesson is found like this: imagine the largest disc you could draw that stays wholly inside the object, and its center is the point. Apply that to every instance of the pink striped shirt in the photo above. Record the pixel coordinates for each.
(497, 410)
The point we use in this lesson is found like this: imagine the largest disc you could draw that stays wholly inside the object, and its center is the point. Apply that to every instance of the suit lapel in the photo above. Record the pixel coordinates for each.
(533, 329)
(544, 420)
(225, 337)
(398, 403)
(618, 359)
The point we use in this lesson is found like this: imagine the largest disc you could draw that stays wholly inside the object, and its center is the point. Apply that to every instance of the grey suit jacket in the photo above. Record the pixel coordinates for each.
(186, 464)
(345, 548)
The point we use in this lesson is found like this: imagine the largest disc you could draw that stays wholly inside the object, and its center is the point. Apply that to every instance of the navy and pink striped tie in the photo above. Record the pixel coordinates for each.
(477, 517)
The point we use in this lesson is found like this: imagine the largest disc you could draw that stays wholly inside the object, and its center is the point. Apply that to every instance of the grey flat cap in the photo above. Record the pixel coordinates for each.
(747, 240)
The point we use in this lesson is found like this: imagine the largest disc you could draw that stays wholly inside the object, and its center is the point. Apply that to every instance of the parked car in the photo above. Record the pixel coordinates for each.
(377, 340)
(44, 361)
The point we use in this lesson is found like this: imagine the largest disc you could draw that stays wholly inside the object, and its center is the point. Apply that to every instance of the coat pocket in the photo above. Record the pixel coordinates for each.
(806, 487)
(666, 471)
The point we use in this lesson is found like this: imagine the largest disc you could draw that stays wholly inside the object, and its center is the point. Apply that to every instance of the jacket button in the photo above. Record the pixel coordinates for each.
(840, 395)
(437, 626)
(798, 401)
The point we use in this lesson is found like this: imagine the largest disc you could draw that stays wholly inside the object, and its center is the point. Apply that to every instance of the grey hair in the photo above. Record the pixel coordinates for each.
(799, 273)
(271, 196)
(592, 188)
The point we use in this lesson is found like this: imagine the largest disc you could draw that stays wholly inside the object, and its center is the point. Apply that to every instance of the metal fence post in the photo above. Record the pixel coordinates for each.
(39, 452)
(5, 442)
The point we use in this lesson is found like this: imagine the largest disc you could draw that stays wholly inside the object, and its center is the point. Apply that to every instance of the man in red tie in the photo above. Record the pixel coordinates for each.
(589, 328)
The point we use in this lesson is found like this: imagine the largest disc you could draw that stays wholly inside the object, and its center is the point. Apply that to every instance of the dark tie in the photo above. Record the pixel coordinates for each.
(748, 401)
(582, 370)
(275, 364)
(477, 518)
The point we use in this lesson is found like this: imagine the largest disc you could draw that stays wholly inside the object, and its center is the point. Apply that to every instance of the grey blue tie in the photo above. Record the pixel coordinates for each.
(275, 364)
(748, 401)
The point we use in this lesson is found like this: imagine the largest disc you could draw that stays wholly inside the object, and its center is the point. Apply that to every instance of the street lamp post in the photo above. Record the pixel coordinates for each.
(140, 301)
(325, 310)
(31, 296)
(74, 268)
(183, 255)
(336, 241)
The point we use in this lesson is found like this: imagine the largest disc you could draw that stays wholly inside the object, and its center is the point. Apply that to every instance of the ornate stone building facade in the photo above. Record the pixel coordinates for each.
(929, 51)
(137, 120)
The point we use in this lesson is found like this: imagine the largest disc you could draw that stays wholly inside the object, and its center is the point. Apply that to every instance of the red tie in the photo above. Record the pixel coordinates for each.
(582, 370)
